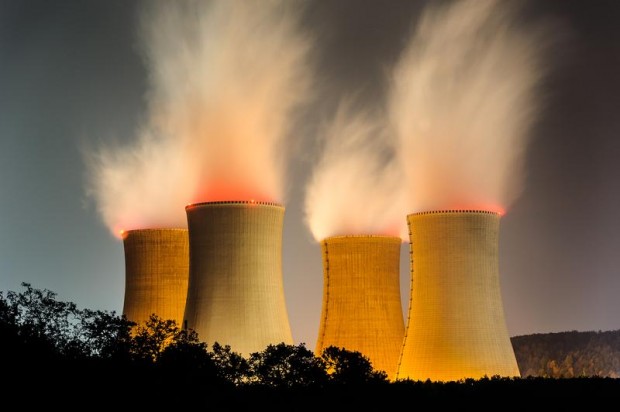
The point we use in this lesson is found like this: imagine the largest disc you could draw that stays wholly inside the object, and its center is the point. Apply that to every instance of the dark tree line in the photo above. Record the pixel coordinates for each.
(52, 351)
(39, 331)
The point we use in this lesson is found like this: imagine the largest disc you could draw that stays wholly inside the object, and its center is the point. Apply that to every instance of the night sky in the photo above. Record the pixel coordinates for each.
(70, 76)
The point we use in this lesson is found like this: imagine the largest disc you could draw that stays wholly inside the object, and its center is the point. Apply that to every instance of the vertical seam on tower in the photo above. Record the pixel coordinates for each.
(402, 349)
(326, 297)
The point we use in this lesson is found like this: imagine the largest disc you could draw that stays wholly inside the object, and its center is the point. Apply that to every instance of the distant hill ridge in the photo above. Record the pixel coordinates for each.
(568, 354)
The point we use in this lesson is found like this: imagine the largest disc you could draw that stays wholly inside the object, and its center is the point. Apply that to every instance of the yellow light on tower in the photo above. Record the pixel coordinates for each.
(236, 291)
(156, 273)
(362, 310)
(456, 327)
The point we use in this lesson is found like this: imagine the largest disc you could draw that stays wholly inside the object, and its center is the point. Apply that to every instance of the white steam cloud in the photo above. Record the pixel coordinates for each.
(463, 99)
(143, 186)
(355, 187)
(225, 79)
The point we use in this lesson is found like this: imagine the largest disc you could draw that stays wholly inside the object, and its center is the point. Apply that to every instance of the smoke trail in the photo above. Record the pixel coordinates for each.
(144, 186)
(225, 78)
(354, 188)
(462, 101)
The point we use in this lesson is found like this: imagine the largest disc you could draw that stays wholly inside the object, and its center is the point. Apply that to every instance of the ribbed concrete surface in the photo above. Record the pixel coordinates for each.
(456, 327)
(362, 309)
(236, 291)
(156, 273)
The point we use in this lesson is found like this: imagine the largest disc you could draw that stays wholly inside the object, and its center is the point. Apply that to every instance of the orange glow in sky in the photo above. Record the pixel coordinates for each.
(222, 191)
(488, 207)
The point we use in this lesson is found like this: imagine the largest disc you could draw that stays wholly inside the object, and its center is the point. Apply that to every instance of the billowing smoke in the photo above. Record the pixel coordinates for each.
(225, 80)
(143, 186)
(355, 186)
(463, 99)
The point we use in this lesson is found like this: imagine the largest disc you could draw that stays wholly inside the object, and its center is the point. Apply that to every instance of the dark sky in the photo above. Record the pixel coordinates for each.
(70, 76)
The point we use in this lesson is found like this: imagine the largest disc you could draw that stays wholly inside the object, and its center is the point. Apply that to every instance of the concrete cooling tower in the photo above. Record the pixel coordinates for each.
(362, 310)
(455, 327)
(156, 273)
(236, 291)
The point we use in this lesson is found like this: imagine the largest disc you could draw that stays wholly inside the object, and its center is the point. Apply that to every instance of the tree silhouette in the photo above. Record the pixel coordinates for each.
(190, 360)
(286, 366)
(44, 327)
(153, 336)
(107, 336)
(12, 342)
(49, 345)
(350, 367)
(232, 367)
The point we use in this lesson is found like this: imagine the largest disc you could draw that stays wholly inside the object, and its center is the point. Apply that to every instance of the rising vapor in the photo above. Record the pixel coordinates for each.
(225, 79)
(355, 186)
(462, 101)
(142, 186)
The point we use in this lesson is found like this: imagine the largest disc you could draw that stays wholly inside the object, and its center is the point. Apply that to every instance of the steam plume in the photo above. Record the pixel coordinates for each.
(225, 77)
(354, 188)
(143, 186)
(462, 101)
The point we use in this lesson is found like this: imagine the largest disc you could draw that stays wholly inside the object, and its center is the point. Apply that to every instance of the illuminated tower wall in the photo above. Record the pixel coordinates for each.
(455, 327)
(156, 273)
(236, 291)
(362, 309)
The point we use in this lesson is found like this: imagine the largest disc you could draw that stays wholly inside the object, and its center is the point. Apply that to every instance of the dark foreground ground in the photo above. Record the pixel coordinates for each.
(119, 391)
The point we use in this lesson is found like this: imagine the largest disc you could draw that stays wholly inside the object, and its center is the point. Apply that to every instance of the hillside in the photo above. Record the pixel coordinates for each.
(568, 354)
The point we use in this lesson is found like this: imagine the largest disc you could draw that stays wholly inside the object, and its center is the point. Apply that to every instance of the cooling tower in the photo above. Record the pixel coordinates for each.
(455, 327)
(156, 273)
(362, 310)
(236, 291)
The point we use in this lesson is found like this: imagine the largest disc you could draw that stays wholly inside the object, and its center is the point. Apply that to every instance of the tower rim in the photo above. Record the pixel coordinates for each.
(233, 203)
(369, 236)
(454, 211)
(155, 229)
